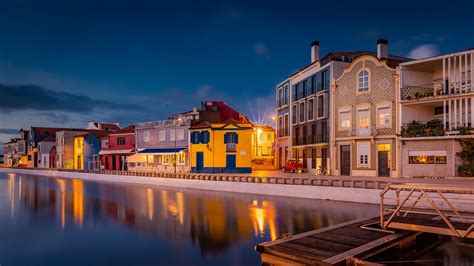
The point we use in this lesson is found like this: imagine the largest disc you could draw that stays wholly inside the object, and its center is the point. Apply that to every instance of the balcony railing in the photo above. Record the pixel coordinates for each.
(230, 147)
(433, 128)
(433, 90)
(310, 139)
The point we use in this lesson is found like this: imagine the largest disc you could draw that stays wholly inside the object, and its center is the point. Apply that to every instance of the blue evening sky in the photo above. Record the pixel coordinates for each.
(130, 61)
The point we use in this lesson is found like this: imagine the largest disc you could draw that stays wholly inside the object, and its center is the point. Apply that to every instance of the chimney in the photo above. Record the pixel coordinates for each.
(382, 48)
(314, 51)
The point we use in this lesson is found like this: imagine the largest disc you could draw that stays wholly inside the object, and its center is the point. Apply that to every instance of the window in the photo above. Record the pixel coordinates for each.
(286, 125)
(345, 119)
(294, 92)
(427, 157)
(325, 80)
(280, 97)
(280, 126)
(363, 155)
(162, 135)
(363, 121)
(310, 109)
(384, 116)
(363, 81)
(293, 114)
(297, 91)
(302, 112)
(172, 135)
(121, 141)
(287, 94)
(320, 106)
(146, 136)
(230, 140)
(105, 143)
(313, 84)
(262, 136)
(78, 144)
(205, 137)
(319, 87)
(195, 137)
(180, 134)
(305, 89)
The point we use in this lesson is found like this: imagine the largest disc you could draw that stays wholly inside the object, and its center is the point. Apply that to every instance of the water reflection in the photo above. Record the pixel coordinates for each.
(211, 222)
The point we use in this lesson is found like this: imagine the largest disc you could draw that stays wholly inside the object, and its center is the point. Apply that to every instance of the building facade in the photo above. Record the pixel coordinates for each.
(44, 147)
(86, 150)
(365, 112)
(220, 140)
(116, 147)
(436, 111)
(221, 147)
(65, 145)
(263, 148)
(283, 132)
(162, 146)
(15, 152)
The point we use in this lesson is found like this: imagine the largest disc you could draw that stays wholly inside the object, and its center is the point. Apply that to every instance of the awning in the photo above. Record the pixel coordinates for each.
(162, 151)
(106, 152)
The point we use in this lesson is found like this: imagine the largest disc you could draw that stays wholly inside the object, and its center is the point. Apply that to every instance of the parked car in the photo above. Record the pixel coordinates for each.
(293, 166)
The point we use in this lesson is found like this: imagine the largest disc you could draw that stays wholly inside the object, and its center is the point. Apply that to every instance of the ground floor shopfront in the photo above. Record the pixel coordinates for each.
(430, 156)
(283, 151)
(366, 157)
(160, 160)
(313, 157)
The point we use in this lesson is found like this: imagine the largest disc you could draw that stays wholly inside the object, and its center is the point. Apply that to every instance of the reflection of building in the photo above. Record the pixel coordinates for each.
(436, 112)
(162, 145)
(116, 147)
(263, 148)
(365, 123)
(220, 142)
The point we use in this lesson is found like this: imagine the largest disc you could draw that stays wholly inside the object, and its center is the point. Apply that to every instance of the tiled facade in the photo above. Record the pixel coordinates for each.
(376, 102)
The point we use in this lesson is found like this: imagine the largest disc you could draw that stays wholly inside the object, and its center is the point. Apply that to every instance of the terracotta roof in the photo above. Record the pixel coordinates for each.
(203, 124)
(98, 134)
(125, 130)
(50, 138)
(109, 127)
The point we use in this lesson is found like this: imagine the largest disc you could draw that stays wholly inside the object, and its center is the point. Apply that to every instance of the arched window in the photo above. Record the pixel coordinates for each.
(363, 81)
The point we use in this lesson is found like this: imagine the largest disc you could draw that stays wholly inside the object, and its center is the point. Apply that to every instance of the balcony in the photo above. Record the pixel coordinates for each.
(435, 90)
(433, 128)
(230, 147)
(310, 139)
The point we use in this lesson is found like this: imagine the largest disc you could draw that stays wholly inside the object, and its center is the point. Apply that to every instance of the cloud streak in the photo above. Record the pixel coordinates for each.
(32, 97)
(424, 51)
(9, 131)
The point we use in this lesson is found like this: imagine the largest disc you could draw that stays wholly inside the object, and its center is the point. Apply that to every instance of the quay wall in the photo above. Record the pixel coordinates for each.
(321, 192)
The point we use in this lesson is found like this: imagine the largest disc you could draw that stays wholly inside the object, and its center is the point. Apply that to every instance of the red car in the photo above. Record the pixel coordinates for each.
(293, 166)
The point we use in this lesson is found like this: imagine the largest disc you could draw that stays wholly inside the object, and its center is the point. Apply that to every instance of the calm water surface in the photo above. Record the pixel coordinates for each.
(60, 221)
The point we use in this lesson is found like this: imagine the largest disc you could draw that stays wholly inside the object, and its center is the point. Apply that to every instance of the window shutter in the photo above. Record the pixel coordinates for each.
(236, 137)
(205, 137)
(226, 138)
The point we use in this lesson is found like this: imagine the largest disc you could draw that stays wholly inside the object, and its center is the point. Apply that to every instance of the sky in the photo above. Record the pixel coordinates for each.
(63, 63)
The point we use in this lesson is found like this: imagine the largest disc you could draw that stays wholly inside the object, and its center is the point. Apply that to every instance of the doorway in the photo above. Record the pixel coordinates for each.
(345, 160)
(383, 161)
(199, 161)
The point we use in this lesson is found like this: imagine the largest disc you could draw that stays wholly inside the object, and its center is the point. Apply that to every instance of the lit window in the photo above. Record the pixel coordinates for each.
(363, 81)
(363, 151)
(363, 119)
(345, 118)
(384, 116)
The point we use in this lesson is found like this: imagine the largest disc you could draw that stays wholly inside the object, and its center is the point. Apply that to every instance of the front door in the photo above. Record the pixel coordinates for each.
(384, 167)
(230, 164)
(345, 160)
(199, 161)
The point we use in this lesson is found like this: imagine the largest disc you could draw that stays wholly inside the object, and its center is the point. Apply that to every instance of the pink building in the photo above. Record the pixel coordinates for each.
(116, 147)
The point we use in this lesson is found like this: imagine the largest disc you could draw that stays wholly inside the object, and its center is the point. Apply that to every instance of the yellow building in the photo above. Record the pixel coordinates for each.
(221, 147)
(79, 152)
(263, 145)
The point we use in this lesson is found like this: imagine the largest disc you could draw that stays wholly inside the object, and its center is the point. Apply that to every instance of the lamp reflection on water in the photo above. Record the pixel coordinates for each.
(261, 215)
(78, 205)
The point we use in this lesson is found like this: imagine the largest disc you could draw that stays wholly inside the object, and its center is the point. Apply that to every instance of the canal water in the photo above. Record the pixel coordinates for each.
(60, 221)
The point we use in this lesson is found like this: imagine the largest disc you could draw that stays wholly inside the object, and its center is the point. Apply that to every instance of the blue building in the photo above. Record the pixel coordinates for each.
(89, 154)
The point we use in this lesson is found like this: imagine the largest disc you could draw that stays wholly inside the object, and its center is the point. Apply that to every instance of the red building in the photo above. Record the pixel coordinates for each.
(116, 147)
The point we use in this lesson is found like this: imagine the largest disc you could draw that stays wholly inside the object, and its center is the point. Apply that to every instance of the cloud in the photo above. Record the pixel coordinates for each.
(32, 97)
(261, 49)
(56, 118)
(424, 51)
(9, 131)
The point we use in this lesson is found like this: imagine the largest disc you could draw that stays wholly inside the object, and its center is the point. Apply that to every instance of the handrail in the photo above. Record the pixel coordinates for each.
(448, 203)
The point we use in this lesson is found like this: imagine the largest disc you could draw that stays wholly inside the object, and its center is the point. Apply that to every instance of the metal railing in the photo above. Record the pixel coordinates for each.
(421, 207)
(416, 92)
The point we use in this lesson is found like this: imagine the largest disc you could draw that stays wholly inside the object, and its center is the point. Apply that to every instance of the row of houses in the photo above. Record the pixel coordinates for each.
(364, 113)
(213, 139)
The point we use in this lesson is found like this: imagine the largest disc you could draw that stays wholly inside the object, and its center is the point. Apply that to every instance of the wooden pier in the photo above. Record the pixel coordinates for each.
(333, 245)
(407, 211)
